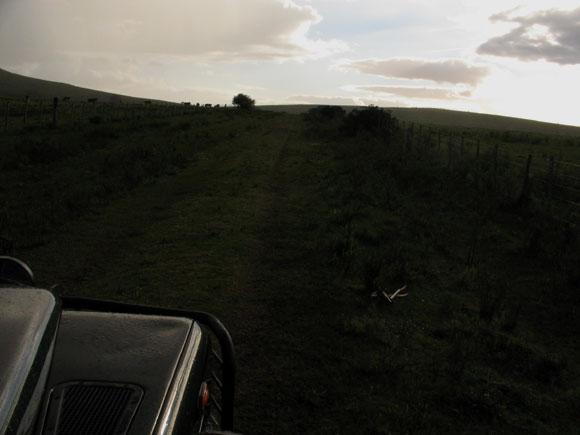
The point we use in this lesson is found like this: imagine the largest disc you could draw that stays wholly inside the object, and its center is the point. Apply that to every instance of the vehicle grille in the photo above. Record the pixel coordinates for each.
(91, 408)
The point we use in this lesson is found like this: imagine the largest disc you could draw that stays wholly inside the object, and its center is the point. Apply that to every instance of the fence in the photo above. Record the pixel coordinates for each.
(539, 177)
(26, 113)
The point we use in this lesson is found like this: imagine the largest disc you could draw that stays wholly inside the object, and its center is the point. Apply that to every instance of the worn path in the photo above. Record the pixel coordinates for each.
(235, 234)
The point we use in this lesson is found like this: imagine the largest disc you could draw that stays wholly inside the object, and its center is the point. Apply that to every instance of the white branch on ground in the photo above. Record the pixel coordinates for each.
(399, 293)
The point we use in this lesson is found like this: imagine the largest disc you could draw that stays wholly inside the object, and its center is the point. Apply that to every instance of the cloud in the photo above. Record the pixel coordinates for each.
(146, 47)
(418, 93)
(552, 35)
(441, 71)
(230, 30)
(325, 100)
(344, 100)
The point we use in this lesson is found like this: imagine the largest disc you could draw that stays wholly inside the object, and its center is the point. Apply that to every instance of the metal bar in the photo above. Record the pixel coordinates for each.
(217, 405)
(217, 356)
(217, 380)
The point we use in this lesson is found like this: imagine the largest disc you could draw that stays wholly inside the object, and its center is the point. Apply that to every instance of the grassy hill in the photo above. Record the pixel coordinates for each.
(453, 118)
(15, 86)
(283, 228)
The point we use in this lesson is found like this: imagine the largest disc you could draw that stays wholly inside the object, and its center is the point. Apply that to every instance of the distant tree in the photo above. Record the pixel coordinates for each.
(243, 102)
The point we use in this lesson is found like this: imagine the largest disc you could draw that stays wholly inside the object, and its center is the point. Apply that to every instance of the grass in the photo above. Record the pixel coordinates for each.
(282, 229)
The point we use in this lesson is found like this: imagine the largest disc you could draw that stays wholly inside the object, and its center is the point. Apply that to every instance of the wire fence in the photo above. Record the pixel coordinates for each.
(546, 179)
(16, 115)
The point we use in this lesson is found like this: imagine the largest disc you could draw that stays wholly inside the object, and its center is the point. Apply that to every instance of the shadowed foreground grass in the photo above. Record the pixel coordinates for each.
(283, 233)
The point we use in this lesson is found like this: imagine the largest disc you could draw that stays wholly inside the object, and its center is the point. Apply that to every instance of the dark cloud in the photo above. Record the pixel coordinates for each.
(442, 71)
(552, 35)
(418, 93)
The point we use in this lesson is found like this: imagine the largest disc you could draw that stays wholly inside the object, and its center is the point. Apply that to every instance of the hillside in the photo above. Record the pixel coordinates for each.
(283, 228)
(15, 86)
(452, 118)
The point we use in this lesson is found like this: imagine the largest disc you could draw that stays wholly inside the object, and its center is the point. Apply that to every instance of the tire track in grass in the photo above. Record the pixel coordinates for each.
(252, 315)
(231, 235)
(288, 376)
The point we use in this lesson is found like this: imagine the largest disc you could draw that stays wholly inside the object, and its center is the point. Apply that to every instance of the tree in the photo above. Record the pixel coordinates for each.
(243, 102)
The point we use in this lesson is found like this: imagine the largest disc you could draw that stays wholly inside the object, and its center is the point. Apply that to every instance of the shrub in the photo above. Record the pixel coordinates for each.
(373, 120)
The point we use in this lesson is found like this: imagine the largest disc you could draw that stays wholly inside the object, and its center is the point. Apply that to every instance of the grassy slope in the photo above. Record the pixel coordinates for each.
(18, 86)
(452, 118)
(243, 221)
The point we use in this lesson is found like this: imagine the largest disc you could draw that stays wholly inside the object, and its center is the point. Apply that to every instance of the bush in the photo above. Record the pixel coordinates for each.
(244, 102)
(373, 120)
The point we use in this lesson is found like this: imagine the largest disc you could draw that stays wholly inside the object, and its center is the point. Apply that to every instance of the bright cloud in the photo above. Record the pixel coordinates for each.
(417, 92)
(552, 35)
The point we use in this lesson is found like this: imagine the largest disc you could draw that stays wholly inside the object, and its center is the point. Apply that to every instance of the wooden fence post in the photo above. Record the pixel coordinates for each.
(478, 144)
(54, 110)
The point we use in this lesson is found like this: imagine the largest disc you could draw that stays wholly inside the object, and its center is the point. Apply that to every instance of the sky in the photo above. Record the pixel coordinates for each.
(503, 57)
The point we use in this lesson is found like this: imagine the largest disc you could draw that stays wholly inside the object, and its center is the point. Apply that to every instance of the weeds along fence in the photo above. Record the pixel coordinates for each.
(550, 181)
(28, 113)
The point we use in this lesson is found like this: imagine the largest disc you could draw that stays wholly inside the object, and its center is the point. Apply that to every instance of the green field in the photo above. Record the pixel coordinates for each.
(283, 228)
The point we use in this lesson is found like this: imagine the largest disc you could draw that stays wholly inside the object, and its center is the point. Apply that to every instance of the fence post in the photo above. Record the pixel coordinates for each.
(54, 109)
(439, 140)
(478, 144)
(525, 193)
